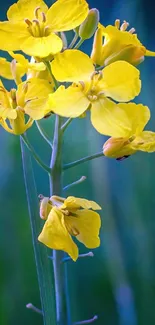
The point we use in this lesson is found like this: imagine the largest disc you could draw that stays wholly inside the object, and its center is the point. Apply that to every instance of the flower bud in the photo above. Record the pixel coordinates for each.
(45, 208)
(117, 148)
(89, 26)
(131, 53)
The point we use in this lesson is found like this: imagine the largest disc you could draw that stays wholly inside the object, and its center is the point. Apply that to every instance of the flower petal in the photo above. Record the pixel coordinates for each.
(109, 119)
(10, 31)
(37, 108)
(75, 203)
(42, 46)
(86, 224)
(72, 65)
(138, 116)
(120, 81)
(25, 9)
(70, 102)
(7, 113)
(144, 142)
(55, 235)
(65, 15)
(5, 70)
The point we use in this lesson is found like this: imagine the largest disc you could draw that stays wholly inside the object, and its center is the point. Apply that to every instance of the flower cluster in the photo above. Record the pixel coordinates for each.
(57, 78)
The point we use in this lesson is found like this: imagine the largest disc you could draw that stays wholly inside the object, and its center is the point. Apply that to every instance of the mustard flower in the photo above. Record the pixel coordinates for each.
(32, 27)
(119, 81)
(18, 67)
(29, 99)
(118, 44)
(132, 137)
(66, 218)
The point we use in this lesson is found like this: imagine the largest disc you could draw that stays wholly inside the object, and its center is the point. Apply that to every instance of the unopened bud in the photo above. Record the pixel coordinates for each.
(45, 208)
(115, 147)
(89, 26)
(131, 53)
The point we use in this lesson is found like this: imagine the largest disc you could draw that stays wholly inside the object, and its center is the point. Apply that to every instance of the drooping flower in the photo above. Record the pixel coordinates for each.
(28, 100)
(119, 81)
(32, 27)
(118, 44)
(66, 218)
(132, 138)
(18, 67)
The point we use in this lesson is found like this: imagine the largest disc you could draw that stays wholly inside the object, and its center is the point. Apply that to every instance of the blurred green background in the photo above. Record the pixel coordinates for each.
(118, 283)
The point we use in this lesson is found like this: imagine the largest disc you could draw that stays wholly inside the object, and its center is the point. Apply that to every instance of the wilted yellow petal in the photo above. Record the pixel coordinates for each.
(72, 65)
(55, 235)
(25, 9)
(109, 119)
(75, 203)
(144, 142)
(42, 46)
(118, 148)
(86, 224)
(121, 81)
(70, 102)
(65, 15)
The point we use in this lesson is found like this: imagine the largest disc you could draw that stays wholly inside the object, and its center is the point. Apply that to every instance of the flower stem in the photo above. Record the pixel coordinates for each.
(43, 264)
(48, 66)
(80, 42)
(36, 157)
(82, 160)
(75, 38)
(43, 134)
(65, 125)
(56, 189)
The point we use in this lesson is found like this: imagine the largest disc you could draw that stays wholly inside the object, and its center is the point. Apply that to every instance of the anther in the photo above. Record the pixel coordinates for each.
(46, 31)
(28, 22)
(36, 21)
(100, 75)
(124, 26)
(43, 17)
(36, 12)
(100, 94)
(117, 23)
(132, 30)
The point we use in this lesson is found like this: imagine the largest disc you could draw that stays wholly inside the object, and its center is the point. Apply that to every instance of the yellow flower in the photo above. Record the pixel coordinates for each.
(119, 44)
(66, 218)
(29, 99)
(18, 67)
(90, 89)
(32, 27)
(132, 138)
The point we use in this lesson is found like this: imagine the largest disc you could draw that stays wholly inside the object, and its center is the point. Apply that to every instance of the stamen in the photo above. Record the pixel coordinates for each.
(28, 22)
(124, 26)
(46, 31)
(93, 74)
(117, 23)
(100, 73)
(43, 17)
(36, 21)
(132, 30)
(36, 12)
(100, 94)
(82, 84)
(92, 97)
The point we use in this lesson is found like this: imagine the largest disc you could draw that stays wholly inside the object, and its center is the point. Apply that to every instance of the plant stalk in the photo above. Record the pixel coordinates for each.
(56, 189)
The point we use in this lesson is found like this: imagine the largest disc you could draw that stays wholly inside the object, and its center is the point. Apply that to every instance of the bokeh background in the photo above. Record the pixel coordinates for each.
(118, 283)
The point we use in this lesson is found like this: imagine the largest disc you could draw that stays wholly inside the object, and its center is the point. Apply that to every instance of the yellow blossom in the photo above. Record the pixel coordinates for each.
(134, 138)
(119, 81)
(118, 44)
(18, 67)
(29, 99)
(32, 27)
(66, 218)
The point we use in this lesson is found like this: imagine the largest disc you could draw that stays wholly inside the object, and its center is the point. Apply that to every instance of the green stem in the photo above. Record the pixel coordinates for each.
(36, 157)
(43, 133)
(48, 66)
(56, 189)
(75, 38)
(66, 124)
(43, 263)
(82, 160)
(80, 42)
